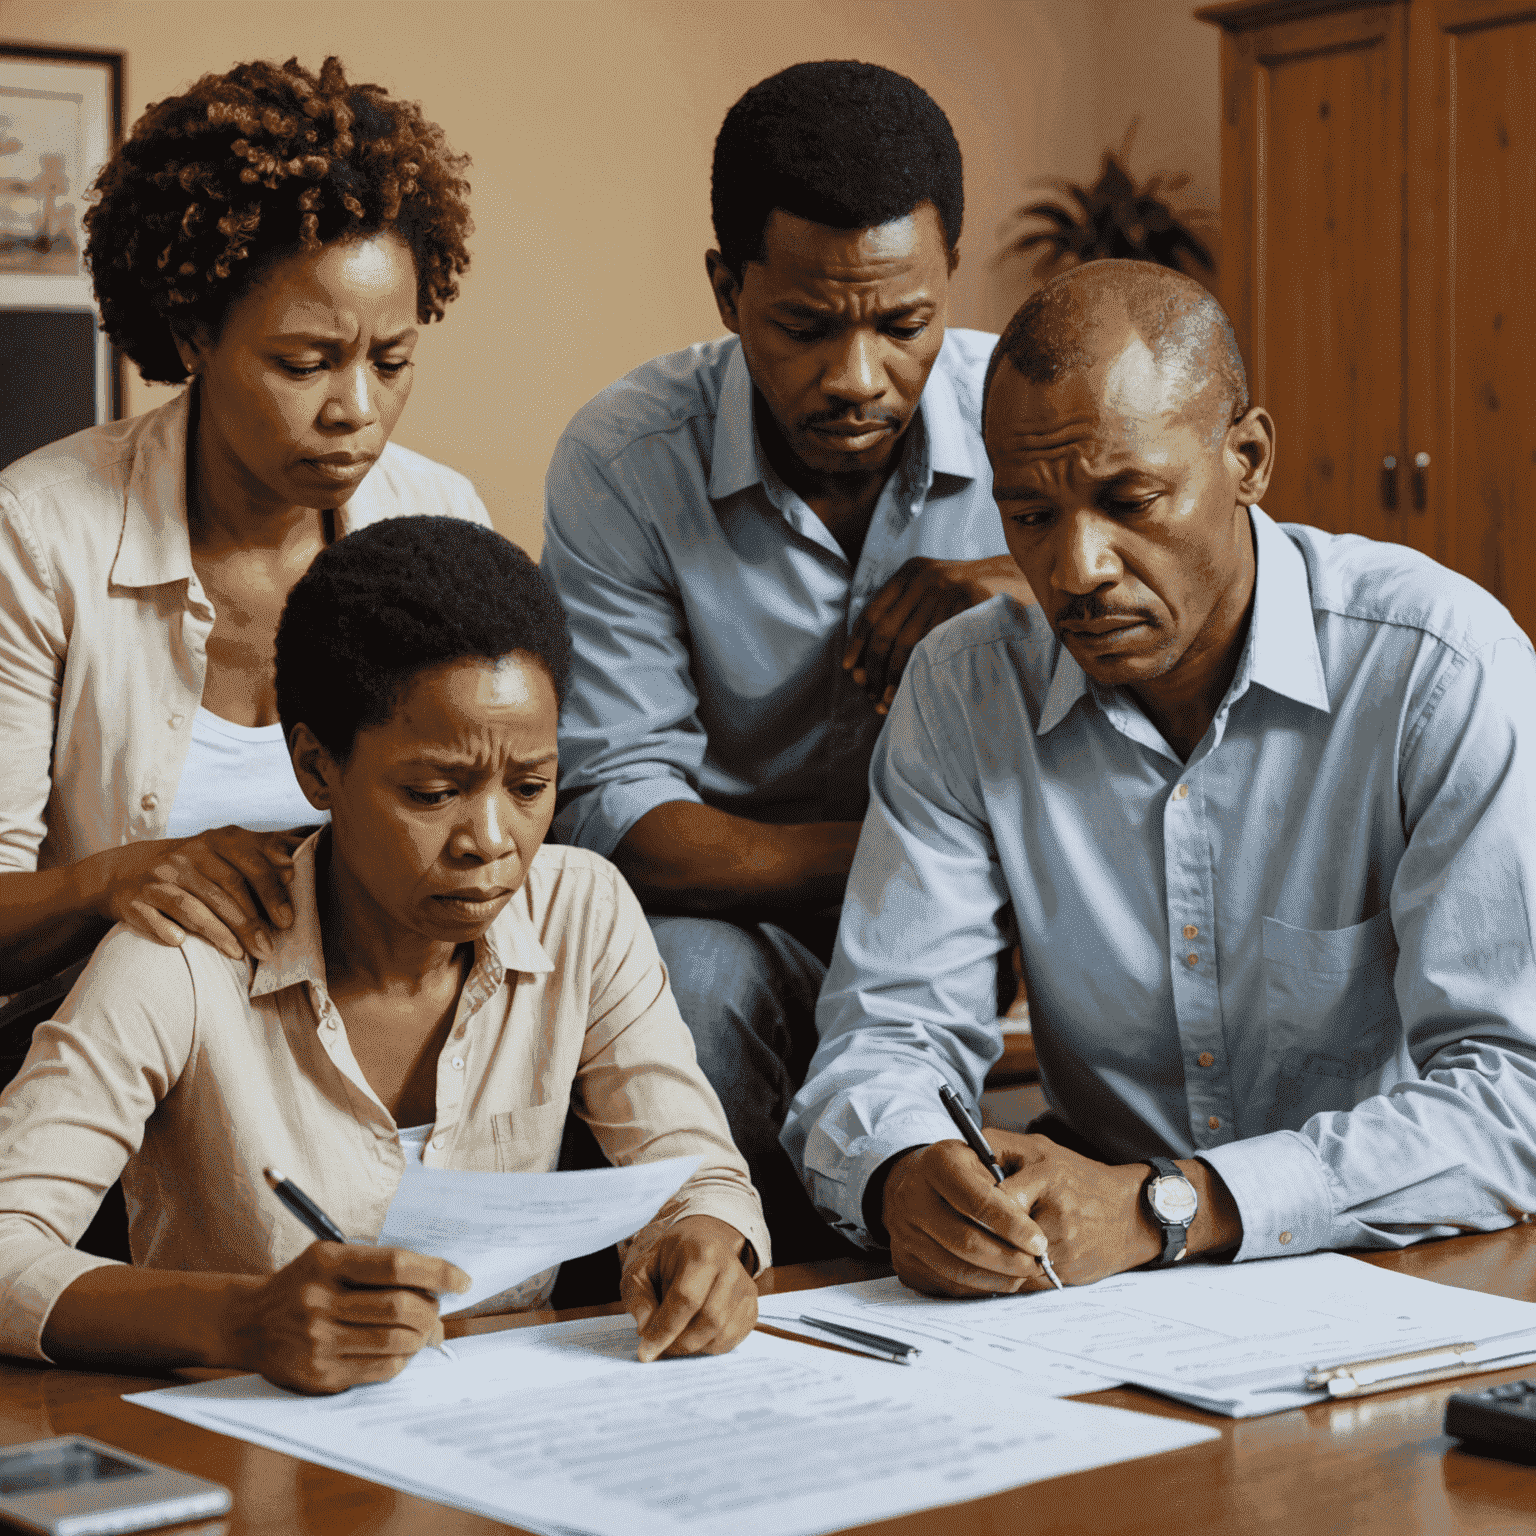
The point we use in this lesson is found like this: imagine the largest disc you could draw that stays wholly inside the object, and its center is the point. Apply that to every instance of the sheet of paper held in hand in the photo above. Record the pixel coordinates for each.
(1235, 1339)
(558, 1429)
(502, 1228)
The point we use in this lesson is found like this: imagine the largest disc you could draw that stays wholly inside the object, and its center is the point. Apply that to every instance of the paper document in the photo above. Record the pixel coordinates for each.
(503, 1228)
(944, 1332)
(1235, 1339)
(559, 1430)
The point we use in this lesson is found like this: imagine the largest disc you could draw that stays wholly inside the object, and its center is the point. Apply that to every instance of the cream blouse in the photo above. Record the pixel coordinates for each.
(186, 1073)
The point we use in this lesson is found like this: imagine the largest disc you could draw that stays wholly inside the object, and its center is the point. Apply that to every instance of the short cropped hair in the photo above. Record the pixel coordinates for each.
(211, 186)
(1185, 328)
(395, 598)
(840, 143)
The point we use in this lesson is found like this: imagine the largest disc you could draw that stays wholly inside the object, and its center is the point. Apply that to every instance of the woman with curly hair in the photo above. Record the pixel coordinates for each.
(275, 238)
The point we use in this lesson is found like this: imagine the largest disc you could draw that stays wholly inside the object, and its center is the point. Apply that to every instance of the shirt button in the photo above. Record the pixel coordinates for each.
(1214, 1123)
(1192, 959)
(458, 1063)
(1190, 931)
(175, 722)
(330, 1023)
(1182, 792)
(1285, 1237)
(1206, 1059)
(149, 802)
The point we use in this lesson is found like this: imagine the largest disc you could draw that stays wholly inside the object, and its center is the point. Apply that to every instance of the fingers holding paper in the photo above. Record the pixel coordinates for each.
(341, 1315)
(690, 1293)
(953, 1231)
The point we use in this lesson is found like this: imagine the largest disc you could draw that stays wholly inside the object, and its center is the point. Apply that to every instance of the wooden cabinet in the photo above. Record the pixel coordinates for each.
(1378, 259)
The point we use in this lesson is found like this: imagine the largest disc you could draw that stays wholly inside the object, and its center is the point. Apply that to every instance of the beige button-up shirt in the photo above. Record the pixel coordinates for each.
(104, 627)
(186, 1073)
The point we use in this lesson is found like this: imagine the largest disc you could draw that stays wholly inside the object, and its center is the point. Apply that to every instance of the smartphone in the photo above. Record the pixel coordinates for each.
(73, 1486)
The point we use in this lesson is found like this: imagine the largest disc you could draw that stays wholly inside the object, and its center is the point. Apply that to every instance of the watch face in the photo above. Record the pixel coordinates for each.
(1174, 1200)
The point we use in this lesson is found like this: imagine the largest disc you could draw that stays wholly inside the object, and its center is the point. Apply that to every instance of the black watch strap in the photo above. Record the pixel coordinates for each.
(1175, 1233)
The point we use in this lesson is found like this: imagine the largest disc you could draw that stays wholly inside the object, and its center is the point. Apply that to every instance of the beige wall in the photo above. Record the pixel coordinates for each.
(591, 124)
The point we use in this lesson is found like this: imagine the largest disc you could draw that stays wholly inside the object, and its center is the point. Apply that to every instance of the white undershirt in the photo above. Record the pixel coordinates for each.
(238, 775)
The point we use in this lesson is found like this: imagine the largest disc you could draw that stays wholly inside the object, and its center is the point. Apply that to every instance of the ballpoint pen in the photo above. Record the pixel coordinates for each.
(978, 1144)
(895, 1350)
(319, 1223)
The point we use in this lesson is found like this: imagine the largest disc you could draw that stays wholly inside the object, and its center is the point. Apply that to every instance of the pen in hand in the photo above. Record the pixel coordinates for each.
(978, 1144)
(318, 1222)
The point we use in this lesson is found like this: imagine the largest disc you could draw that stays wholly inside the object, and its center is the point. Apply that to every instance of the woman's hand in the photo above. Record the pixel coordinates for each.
(340, 1315)
(228, 886)
(690, 1292)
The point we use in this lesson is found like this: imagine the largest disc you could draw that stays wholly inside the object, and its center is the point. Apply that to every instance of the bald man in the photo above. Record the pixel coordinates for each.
(1259, 803)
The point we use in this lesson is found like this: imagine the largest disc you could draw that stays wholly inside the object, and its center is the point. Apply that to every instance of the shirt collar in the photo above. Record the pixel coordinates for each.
(953, 445)
(298, 952)
(155, 548)
(733, 453)
(1280, 653)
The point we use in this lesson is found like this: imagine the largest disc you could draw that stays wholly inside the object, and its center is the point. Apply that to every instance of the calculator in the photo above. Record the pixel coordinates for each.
(1500, 1420)
(73, 1486)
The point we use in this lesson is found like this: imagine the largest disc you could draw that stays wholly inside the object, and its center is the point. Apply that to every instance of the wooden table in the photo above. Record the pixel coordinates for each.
(1377, 1465)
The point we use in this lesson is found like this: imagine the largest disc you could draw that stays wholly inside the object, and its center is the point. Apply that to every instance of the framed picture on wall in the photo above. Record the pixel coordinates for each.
(60, 117)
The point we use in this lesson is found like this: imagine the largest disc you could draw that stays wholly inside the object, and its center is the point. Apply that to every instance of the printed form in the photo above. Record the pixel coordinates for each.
(1236, 1339)
(560, 1430)
(503, 1228)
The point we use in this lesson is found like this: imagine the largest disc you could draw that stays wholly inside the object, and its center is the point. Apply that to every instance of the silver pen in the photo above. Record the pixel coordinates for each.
(978, 1144)
(895, 1350)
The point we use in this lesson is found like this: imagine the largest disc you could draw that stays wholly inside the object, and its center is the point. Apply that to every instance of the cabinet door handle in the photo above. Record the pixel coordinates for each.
(1420, 481)
(1389, 483)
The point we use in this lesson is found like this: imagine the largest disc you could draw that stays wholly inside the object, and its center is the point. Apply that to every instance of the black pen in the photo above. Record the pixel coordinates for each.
(318, 1222)
(895, 1350)
(978, 1144)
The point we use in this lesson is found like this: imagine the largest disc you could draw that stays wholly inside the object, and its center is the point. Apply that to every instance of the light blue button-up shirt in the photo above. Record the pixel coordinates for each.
(710, 607)
(1304, 956)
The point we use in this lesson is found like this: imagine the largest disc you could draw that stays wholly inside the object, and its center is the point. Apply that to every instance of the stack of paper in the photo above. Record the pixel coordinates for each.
(1237, 1339)
(560, 1430)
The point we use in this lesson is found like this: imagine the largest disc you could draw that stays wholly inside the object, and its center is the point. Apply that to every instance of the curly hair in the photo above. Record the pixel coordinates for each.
(840, 143)
(247, 167)
(395, 598)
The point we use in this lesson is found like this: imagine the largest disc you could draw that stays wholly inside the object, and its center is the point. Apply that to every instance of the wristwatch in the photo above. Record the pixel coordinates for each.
(1172, 1201)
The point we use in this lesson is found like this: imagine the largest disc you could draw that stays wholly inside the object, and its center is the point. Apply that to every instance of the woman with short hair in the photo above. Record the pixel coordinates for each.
(449, 989)
(275, 238)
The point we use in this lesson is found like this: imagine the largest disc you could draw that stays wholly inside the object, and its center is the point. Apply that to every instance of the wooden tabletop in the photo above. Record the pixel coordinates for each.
(1380, 1465)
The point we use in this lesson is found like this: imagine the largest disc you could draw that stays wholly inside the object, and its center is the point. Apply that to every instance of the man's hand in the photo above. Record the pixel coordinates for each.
(956, 1233)
(953, 1231)
(228, 886)
(690, 1293)
(339, 1315)
(919, 597)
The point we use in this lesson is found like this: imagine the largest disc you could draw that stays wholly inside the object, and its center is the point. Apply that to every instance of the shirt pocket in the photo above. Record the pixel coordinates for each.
(527, 1140)
(1328, 996)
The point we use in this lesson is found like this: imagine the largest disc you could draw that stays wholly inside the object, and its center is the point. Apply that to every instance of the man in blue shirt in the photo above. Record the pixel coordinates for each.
(749, 537)
(1259, 803)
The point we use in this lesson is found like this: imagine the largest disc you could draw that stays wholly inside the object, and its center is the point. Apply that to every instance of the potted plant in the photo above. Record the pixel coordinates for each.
(1114, 218)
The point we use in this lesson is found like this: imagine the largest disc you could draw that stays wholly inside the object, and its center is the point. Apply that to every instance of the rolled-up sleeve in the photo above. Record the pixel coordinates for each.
(1453, 1150)
(909, 1001)
(32, 649)
(640, 1089)
(75, 1114)
(630, 737)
